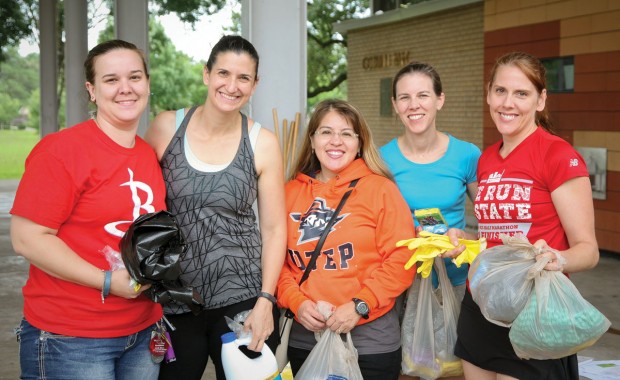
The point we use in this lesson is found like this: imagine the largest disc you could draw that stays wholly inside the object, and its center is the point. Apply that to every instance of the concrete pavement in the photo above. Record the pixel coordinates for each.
(599, 286)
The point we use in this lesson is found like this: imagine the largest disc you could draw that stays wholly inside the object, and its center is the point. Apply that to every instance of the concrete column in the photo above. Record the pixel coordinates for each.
(76, 49)
(131, 23)
(48, 60)
(277, 28)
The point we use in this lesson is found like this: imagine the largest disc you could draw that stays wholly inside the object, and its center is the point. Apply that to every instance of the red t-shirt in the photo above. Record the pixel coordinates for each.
(81, 183)
(514, 193)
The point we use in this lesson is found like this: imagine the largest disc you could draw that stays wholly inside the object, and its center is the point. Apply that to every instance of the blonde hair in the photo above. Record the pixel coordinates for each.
(308, 162)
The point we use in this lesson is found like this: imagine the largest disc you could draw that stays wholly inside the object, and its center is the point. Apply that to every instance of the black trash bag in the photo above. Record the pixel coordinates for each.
(151, 250)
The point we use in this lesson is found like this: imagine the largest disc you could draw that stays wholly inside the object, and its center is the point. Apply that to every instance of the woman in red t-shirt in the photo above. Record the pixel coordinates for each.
(82, 188)
(534, 183)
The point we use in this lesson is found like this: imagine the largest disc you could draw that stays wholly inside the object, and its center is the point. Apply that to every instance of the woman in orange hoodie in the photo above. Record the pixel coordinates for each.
(359, 270)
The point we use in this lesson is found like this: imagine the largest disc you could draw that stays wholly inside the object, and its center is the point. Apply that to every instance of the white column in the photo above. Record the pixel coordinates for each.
(76, 49)
(48, 70)
(131, 23)
(277, 28)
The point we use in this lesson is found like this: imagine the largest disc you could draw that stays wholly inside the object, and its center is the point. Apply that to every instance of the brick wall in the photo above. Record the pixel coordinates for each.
(588, 30)
(452, 41)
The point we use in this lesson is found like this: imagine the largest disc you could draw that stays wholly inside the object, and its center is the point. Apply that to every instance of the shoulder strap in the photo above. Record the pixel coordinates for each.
(180, 115)
(328, 227)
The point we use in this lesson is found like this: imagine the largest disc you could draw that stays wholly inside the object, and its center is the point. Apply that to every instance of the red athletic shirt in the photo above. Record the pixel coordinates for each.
(81, 183)
(514, 193)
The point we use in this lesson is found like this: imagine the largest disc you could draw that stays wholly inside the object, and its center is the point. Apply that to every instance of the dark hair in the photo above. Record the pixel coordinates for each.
(309, 163)
(105, 47)
(422, 68)
(534, 70)
(236, 44)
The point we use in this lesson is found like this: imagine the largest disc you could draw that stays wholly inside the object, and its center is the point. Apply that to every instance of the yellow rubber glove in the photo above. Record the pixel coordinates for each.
(430, 245)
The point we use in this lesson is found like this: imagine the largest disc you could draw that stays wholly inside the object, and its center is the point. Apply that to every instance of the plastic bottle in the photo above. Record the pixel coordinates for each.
(237, 366)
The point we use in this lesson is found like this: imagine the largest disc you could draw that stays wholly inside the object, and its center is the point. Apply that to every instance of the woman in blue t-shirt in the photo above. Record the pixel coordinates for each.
(432, 169)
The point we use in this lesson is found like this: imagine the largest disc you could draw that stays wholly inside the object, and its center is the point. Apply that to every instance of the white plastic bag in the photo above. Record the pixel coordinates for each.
(498, 279)
(557, 321)
(331, 357)
(429, 328)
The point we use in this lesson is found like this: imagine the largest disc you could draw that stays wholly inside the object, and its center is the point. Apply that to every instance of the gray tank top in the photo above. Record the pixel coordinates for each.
(214, 212)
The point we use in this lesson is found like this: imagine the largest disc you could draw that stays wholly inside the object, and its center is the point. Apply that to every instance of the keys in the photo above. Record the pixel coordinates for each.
(160, 343)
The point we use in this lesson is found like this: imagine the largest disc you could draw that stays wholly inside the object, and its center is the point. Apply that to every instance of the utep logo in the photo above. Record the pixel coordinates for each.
(313, 222)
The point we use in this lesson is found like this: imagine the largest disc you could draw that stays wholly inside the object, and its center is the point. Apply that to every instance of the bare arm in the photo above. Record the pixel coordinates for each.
(472, 190)
(573, 203)
(43, 249)
(160, 132)
(273, 231)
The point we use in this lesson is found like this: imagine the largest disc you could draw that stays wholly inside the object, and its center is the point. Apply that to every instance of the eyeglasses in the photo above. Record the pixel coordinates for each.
(328, 134)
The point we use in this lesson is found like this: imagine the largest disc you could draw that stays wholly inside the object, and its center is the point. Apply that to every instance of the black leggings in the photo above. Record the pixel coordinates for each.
(373, 366)
(198, 337)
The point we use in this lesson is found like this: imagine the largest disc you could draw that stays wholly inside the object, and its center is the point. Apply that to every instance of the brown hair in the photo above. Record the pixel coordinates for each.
(534, 71)
(237, 45)
(422, 68)
(308, 162)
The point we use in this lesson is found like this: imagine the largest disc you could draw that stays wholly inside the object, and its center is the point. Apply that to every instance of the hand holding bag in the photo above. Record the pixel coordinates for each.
(557, 321)
(286, 315)
(331, 357)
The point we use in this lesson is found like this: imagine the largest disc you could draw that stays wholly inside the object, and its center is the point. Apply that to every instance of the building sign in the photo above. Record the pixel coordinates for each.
(382, 61)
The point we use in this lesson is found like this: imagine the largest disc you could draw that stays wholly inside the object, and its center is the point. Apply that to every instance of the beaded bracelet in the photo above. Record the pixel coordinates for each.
(107, 281)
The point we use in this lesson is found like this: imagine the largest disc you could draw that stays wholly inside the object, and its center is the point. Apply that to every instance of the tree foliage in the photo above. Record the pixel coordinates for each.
(15, 24)
(175, 78)
(188, 10)
(19, 78)
(327, 50)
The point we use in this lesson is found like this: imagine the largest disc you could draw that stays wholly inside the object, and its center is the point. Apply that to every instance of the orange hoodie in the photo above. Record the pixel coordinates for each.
(359, 258)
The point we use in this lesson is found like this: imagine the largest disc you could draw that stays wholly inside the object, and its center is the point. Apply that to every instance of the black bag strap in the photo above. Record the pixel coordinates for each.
(319, 245)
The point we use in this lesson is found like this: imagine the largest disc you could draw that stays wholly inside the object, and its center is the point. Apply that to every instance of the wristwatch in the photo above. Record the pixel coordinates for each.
(361, 307)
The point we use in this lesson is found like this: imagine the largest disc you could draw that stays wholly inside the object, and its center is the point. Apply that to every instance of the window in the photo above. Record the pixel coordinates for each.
(560, 74)
(386, 97)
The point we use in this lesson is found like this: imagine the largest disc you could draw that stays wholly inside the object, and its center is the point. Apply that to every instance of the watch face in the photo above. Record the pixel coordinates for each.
(361, 307)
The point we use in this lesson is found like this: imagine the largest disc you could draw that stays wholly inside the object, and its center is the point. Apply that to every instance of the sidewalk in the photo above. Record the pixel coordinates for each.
(600, 286)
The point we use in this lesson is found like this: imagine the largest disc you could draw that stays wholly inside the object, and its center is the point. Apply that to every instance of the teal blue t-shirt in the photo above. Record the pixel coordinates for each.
(441, 184)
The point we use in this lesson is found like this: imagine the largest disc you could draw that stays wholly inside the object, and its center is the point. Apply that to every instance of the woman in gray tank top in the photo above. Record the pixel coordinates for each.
(213, 176)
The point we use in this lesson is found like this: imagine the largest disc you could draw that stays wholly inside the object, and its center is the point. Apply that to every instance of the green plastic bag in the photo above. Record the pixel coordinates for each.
(557, 321)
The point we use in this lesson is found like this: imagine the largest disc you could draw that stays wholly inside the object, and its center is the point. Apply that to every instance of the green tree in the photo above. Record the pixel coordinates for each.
(176, 80)
(327, 50)
(188, 11)
(16, 24)
(327, 70)
(19, 77)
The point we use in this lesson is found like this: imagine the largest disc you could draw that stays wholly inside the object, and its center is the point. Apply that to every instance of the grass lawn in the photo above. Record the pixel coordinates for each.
(14, 148)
